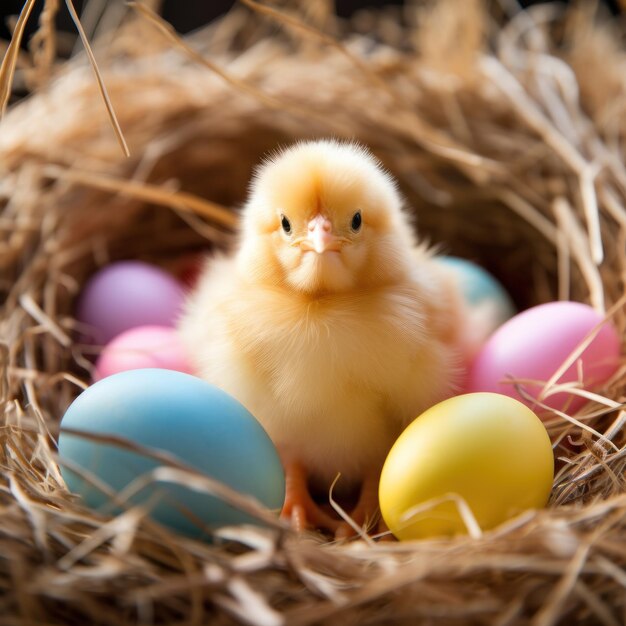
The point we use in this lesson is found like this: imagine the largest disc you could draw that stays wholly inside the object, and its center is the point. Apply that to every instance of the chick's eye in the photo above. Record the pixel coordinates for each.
(284, 222)
(357, 220)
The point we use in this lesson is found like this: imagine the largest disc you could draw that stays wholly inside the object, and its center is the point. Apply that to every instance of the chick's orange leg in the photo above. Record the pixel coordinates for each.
(299, 507)
(365, 511)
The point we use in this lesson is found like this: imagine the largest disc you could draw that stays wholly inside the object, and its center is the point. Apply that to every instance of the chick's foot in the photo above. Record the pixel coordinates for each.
(299, 507)
(365, 513)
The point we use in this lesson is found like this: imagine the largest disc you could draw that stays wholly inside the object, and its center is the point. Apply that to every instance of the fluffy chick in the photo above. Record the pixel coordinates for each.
(328, 323)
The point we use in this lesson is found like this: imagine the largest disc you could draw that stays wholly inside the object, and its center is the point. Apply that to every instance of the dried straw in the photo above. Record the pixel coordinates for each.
(507, 142)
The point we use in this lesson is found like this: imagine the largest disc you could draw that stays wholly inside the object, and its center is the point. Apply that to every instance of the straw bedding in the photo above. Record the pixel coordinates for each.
(507, 139)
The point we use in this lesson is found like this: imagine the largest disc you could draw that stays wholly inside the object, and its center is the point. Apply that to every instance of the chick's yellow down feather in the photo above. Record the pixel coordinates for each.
(328, 322)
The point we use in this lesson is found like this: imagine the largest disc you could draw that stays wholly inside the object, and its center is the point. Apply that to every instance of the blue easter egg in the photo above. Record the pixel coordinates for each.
(479, 288)
(186, 417)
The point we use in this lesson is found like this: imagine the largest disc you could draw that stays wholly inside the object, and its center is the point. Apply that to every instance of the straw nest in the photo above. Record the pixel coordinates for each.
(507, 140)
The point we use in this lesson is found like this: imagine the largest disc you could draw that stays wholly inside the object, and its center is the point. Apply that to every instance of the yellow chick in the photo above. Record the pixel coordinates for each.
(328, 322)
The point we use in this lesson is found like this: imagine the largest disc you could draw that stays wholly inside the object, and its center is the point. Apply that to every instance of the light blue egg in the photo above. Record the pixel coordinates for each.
(479, 287)
(186, 417)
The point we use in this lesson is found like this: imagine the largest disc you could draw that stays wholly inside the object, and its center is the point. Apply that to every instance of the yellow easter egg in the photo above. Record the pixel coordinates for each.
(485, 449)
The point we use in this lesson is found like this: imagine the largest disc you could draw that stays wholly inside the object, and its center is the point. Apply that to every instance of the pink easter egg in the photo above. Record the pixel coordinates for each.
(143, 347)
(534, 344)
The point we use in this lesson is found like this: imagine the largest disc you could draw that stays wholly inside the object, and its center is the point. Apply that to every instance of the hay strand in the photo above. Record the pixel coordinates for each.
(101, 85)
(7, 69)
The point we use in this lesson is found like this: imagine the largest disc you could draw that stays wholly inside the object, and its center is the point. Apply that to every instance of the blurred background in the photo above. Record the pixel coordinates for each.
(187, 15)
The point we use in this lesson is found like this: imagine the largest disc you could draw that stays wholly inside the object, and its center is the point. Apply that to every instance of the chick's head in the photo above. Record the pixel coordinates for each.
(324, 217)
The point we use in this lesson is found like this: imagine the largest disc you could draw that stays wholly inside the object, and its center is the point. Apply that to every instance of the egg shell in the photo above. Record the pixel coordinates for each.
(184, 416)
(143, 347)
(480, 289)
(535, 343)
(128, 294)
(489, 449)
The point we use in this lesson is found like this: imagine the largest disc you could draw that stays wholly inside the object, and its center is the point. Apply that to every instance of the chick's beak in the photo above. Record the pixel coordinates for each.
(320, 236)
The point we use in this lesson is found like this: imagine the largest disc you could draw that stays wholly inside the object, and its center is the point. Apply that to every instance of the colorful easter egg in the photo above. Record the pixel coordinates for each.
(481, 291)
(183, 416)
(143, 347)
(128, 294)
(533, 345)
(484, 451)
